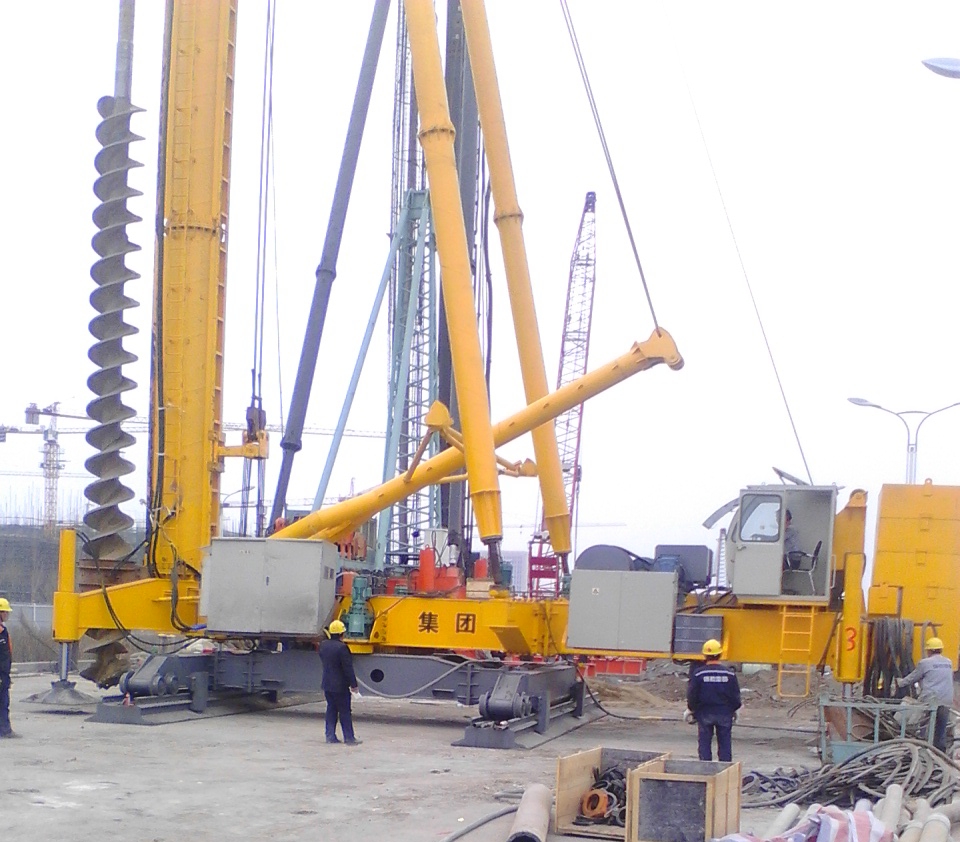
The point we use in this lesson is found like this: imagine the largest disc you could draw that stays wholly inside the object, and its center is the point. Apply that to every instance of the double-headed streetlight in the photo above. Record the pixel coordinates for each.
(913, 431)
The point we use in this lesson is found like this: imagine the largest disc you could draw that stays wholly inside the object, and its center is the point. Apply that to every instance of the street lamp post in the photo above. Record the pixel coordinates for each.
(913, 432)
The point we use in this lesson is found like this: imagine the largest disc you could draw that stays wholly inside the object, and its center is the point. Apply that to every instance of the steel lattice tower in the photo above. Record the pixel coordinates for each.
(412, 323)
(574, 352)
(420, 366)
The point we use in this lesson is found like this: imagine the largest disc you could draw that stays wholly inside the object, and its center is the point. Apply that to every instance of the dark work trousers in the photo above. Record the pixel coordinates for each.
(338, 706)
(940, 727)
(707, 723)
(4, 704)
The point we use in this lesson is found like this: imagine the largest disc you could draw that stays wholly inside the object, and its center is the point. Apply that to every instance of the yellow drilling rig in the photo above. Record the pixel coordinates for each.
(792, 608)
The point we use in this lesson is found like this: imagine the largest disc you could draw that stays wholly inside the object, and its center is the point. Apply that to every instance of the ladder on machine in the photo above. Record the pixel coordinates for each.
(796, 649)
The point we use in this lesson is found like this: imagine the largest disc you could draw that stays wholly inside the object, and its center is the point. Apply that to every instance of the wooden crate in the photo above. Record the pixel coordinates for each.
(576, 774)
(682, 801)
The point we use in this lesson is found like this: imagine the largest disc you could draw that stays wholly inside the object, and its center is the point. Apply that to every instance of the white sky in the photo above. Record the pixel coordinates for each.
(834, 149)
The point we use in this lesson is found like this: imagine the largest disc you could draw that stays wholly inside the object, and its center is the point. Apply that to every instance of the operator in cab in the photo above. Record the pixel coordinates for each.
(713, 702)
(339, 682)
(791, 543)
(935, 674)
(6, 663)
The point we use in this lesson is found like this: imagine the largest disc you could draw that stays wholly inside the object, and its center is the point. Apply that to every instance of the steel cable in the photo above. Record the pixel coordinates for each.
(606, 152)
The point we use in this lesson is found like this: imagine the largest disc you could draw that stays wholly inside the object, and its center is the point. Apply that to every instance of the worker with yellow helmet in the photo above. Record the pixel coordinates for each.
(935, 674)
(713, 699)
(339, 682)
(6, 662)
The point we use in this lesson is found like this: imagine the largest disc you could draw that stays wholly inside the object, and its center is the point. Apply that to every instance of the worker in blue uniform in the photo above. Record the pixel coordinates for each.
(713, 702)
(339, 682)
(6, 662)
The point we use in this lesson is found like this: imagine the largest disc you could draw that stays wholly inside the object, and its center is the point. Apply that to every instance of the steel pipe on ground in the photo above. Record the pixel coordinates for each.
(533, 815)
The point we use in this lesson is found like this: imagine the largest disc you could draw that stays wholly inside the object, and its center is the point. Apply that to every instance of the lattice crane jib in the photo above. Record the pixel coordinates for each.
(575, 343)
(543, 566)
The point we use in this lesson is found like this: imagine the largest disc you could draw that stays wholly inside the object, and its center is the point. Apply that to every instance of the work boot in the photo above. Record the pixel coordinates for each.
(352, 742)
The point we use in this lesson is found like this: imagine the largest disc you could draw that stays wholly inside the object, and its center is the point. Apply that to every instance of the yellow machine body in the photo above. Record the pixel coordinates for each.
(916, 568)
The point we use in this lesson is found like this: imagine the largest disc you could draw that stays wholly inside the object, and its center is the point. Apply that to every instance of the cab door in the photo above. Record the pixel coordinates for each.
(758, 544)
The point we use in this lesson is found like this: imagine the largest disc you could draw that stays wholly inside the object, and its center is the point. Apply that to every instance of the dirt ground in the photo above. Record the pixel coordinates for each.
(271, 775)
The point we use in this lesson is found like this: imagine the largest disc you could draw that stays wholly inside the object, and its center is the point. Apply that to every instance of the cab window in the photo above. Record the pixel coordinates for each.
(760, 518)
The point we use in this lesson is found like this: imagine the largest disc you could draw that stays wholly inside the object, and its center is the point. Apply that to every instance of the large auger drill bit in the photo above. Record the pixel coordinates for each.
(106, 520)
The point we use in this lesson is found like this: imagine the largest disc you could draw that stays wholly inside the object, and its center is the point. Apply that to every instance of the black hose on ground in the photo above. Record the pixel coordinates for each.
(504, 795)
(463, 831)
(917, 766)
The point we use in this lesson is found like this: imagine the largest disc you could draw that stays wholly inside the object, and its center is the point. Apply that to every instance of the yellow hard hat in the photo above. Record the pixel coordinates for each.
(712, 647)
(933, 644)
(336, 627)
(5, 606)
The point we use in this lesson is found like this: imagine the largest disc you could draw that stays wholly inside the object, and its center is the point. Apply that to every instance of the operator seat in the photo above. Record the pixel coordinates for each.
(801, 562)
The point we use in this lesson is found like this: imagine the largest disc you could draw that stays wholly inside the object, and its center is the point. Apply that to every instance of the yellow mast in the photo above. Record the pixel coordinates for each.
(509, 220)
(186, 434)
(436, 138)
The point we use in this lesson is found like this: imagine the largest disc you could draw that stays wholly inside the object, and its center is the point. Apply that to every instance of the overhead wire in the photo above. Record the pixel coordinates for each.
(746, 278)
(276, 272)
(266, 129)
(255, 411)
(606, 152)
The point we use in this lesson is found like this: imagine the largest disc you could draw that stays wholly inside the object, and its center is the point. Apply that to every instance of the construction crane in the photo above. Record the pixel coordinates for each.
(545, 568)
(52, 464)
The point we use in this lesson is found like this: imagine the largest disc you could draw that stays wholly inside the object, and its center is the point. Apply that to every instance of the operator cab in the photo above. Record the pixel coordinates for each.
(779, 543)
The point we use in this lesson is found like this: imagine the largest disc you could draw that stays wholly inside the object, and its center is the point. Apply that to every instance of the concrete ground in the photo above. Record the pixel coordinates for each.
(270, 775)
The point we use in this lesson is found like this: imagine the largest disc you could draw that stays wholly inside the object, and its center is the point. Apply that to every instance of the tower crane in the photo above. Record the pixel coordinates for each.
(52, 464)
(544, 566)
